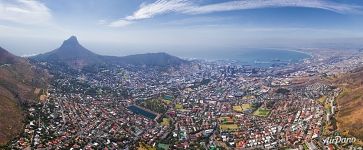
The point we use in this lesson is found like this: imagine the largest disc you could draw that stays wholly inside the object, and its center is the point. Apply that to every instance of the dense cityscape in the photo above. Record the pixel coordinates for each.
(181, 75)
(200, 105)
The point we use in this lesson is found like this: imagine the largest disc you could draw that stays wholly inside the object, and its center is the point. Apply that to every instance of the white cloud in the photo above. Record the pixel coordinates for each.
(256, 4)
(160, 7)
(29, 55)
(120, 23)
(24, 11)
(150, 10)
(101, 22)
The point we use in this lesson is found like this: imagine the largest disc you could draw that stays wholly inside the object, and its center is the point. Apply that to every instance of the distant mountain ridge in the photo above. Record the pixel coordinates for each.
(75, 55)
(148, 59)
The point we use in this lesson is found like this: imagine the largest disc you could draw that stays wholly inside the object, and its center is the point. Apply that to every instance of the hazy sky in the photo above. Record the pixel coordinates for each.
(121, 27)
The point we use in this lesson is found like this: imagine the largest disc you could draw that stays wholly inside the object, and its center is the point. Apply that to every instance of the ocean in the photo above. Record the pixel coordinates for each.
(256, 57)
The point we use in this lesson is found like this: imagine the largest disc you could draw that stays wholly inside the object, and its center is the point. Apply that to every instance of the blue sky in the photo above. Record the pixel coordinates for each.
(180, 27)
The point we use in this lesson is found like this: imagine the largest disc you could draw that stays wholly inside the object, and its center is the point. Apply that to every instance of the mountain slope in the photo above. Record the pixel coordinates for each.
(76, 56)
(350, 104)
(6, 57)
(18, 80)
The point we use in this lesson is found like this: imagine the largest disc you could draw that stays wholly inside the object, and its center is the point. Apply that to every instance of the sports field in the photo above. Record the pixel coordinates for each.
(237, 108)
(242, 108)
(246, 107)
(261, 112)
(228, 126)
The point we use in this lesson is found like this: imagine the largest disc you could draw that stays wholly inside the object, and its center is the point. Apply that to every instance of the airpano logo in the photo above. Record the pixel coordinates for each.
(339, 140)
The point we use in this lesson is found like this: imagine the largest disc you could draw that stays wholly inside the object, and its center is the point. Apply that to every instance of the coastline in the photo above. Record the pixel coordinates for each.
(291, 50)
(300, 51)
(307, 55)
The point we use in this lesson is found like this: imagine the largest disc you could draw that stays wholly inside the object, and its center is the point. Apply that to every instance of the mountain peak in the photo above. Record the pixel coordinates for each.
(72, 41)
(72, 48)
(72, 53)
(74, 38)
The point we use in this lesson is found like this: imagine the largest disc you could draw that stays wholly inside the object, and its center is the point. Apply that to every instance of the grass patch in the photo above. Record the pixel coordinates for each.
(305, 147)
(261, 112)
(327, 107)
(163, 146)
(143, 146)
(155, 105)
(228, 126)
(322, 99)
(246, 107)
(167, 102)
(178, 106)
(226, 120)
(249, 97)
(242, 108)
(165, 122)
(237, 108)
